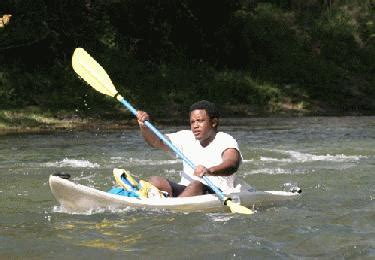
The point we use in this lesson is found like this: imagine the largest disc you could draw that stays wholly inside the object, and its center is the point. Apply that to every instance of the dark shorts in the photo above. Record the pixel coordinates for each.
(177, 189)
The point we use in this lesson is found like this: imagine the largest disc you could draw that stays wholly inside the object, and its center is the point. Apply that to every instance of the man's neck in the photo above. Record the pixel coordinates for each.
(207, 141)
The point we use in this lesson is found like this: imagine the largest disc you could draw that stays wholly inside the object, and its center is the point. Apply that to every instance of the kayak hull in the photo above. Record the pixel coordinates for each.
(77, 198)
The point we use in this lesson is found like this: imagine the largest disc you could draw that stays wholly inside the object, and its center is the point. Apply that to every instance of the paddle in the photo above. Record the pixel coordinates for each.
(94, 74)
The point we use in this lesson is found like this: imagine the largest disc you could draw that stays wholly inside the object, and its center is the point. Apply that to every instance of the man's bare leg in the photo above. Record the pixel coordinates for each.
(162, 184)
(193, 189)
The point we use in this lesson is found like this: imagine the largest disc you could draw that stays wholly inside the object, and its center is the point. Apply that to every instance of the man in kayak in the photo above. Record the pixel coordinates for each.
(215, 154)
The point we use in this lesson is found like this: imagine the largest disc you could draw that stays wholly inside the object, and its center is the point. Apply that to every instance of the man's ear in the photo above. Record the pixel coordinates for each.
(214, 122)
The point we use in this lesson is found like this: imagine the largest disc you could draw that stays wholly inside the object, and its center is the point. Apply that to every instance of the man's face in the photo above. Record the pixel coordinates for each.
(202, 126)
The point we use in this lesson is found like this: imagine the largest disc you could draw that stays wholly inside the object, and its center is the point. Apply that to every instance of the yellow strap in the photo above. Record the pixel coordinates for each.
(131, 179)
(148, 190)
(117, 173)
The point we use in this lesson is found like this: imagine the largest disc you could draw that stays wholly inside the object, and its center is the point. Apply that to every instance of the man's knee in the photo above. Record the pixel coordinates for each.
(161, 183)
(193, 189)
(157, 180)
(196, 184)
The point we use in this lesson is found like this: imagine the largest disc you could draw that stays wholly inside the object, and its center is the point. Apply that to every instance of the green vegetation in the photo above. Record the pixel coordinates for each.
(251, 57)
(34, 119)
(16, 119)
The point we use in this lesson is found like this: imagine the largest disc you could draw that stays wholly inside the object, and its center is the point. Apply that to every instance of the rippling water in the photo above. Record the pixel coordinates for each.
(331, 159)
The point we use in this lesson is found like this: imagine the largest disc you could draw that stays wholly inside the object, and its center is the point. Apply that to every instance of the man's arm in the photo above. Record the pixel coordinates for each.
(231, 162)
(147, 134)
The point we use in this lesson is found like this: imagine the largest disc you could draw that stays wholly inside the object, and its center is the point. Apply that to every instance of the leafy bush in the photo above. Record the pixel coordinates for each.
(164, 55)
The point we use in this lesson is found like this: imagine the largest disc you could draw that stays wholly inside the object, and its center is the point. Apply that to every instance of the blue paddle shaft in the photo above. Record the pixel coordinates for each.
(173, 148)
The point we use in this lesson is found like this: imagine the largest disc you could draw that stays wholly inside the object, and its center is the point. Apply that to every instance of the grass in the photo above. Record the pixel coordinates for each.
(33, 119)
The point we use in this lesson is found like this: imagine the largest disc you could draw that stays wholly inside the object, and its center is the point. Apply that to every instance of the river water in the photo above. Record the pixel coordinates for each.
(331, 158)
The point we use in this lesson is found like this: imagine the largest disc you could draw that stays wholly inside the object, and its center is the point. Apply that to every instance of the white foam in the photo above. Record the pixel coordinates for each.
(272, 171)
(171, 171)
(61, 209)
(219, 217)
(136, 161)
(73, 163)
(295, 156)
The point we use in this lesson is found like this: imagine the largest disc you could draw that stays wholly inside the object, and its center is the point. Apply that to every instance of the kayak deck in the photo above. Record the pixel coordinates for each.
(77, 198)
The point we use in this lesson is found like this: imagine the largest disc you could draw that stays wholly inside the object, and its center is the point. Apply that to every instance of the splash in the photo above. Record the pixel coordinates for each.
(61, 209)
(220, 217)
(135, 161)
(73, 163)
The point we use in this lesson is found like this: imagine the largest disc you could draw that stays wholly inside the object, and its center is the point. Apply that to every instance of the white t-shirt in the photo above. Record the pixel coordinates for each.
(208, 156)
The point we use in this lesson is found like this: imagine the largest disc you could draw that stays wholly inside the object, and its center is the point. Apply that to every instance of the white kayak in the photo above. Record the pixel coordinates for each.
(77, 198)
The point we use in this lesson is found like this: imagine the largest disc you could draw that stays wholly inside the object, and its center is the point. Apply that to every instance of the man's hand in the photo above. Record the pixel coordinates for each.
(142, 117)
(200, 171)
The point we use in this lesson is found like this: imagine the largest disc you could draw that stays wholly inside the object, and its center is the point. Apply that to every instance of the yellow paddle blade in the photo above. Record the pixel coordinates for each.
(91, 71)
(237, 208)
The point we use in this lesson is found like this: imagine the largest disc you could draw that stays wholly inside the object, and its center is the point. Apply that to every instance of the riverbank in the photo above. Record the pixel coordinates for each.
(36, 120)
(317, 60)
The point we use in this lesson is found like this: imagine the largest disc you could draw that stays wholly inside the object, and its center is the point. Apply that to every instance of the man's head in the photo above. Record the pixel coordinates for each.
(210, 108)
(204, 120)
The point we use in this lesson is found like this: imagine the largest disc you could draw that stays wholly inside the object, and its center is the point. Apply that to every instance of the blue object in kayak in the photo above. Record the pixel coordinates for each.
(127, 182)
(123, 192)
